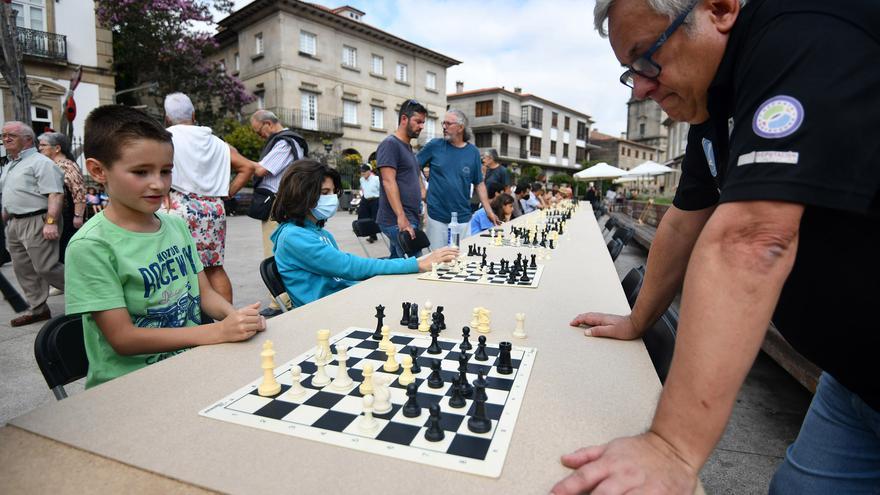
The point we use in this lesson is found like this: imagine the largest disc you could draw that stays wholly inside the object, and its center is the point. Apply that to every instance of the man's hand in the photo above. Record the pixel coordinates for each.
(404, 226)
(606, 325)
(493, 217)
(441, 255)
(640, 464)
(77, 221)
(243, 324)
(50, 232)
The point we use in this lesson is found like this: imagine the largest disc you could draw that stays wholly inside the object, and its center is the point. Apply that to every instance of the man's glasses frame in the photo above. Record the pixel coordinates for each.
(644, 66)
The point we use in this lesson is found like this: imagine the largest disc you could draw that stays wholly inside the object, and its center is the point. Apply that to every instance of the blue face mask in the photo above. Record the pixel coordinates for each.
(326, 207)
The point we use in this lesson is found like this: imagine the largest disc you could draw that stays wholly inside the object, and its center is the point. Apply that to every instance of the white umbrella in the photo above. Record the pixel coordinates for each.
(600, 171)
(649, 168)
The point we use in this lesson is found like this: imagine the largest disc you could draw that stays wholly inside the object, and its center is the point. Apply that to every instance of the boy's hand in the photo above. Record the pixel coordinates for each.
(243, 324)
(441, 255)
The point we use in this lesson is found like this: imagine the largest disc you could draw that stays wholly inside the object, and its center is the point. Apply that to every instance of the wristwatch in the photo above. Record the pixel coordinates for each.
(50, 220)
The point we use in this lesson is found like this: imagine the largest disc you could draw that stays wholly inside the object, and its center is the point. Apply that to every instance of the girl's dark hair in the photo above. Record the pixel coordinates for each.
(300, 188)
(498, 204)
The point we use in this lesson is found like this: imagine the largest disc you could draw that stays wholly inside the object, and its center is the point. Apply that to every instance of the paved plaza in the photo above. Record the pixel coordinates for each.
(766, 418)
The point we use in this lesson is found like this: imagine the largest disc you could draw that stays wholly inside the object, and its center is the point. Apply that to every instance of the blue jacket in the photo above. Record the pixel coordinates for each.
(480, 222)
(312, 266)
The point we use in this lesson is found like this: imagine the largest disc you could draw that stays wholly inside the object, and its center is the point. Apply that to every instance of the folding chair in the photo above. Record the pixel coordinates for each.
(411, 246)
(632, 284)
(660, 342)
(365, 227)
(615, 246)
(272, 279)
(623, 234)
(610, 224)
(60, 352)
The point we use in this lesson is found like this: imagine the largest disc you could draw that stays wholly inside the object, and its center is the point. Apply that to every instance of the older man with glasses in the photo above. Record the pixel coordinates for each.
(33, 196)
(777, 200)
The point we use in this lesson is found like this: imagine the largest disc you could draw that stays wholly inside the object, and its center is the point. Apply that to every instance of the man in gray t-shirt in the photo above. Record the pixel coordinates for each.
(402, 189)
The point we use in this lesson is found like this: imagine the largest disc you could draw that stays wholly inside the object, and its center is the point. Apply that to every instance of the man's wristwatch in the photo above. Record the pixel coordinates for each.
(50, 220)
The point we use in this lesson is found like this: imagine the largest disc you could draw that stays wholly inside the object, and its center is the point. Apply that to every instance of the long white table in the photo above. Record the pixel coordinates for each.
(142, 431)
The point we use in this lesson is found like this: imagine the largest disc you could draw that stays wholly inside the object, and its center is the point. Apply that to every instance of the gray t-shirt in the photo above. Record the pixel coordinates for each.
(398, 155)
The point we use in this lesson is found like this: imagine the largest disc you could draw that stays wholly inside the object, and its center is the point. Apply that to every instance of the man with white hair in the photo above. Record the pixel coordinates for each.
(455, 167)
(33, 195)
(777, 200)
(199, 181)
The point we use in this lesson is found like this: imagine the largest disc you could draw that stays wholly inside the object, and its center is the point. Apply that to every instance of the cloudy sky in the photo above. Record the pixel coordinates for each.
(547, 47)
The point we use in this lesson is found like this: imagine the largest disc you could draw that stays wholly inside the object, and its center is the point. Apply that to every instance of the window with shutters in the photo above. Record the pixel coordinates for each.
(308, 43)
(484, 108)
(378, 65)
(401, 73)
(349, 112)
(349, 56)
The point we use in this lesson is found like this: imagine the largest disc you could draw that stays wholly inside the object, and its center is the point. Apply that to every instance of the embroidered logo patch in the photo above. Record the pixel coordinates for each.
(710, 157)
(778, 117)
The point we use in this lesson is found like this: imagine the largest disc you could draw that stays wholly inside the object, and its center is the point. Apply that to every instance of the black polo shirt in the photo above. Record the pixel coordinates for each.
(795, 116)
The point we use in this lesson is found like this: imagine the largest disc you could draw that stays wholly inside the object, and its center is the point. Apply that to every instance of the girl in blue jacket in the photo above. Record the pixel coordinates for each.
(310, 262)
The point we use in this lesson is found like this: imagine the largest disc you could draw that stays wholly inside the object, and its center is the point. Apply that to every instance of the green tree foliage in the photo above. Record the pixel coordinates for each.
(562, 179)
(242, 138)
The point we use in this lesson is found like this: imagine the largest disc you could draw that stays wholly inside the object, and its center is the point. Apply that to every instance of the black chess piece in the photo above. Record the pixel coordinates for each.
(519, 259)
(465, 343)
(525, 277)
(483, 260)
(505, 365)
(434, 348)
(511, 278)
(413, 317)
(414, 353)
(503, 270)
(479, 422)
(484, 251)
(551, 243)
(491, 269)
(404, 321)
(412, 409)
(380, 320)
(470, 250)
(441, 318)
(434, 432)
(456, 400)
(481, 355)
(435, 380)
(466, 389)
(534, 263)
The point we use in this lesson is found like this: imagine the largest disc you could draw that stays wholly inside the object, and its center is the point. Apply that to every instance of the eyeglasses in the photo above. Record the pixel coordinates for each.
(446, 123)
(644, 66)
(9, 136)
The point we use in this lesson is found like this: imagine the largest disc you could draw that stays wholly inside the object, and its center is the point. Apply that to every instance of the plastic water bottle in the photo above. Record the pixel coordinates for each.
(453, 231)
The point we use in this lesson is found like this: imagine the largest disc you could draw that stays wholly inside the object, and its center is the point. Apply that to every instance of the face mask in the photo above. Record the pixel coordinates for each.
(326, 207)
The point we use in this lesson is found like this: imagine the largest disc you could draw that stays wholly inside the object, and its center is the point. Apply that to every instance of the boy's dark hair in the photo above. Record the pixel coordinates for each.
(410, 107)
(300, 188)
(537, 186)
(110, 127)
(523, 186)
(494, 189)
(499, 202)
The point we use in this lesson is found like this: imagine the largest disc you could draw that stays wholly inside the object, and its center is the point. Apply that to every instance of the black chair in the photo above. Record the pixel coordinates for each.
(272, 279)
(610, 224)
(411, 246)
(61, 352)
(632, 284)
(365, 227)
(660, 342)
(623, 234)
(615, 246)
(597, 214)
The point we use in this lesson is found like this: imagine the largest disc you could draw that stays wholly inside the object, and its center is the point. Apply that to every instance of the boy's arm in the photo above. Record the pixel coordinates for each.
(127, 339)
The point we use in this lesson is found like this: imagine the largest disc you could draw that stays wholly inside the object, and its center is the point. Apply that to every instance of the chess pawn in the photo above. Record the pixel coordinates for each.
(407, 376)
(342, 381)
(520, 331)
(391, 365)
(296, 388)
(366, 386)
(367, 422)
(386, 338)
(270, 386)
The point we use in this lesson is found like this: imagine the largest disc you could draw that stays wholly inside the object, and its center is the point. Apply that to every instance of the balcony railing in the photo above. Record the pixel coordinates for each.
(42, 44)
(301, 120)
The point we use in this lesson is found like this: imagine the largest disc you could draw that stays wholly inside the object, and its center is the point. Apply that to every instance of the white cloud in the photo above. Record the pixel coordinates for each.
(548, 48)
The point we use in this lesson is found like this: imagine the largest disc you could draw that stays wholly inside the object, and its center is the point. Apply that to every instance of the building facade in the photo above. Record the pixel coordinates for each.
(56, 38)
(621, 152)
(645, 124)
(526, 129)
(328, 75)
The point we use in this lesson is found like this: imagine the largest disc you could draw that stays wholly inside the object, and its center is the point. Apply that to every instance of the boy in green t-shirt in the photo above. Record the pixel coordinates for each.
(134, 274)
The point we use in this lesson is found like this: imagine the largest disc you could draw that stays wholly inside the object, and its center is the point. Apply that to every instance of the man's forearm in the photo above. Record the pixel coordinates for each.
(56, 202)
(484, 196)
(667, 261)
(392, 193)
(732, 286)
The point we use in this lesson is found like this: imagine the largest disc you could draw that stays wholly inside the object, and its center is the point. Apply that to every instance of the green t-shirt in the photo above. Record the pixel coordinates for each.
(153, 275)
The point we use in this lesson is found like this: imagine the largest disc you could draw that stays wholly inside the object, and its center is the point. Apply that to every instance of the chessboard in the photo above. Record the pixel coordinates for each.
(472, 273)
(330, 416)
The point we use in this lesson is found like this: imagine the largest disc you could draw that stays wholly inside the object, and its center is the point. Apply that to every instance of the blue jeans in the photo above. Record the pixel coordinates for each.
(391, 233)
(837, 449)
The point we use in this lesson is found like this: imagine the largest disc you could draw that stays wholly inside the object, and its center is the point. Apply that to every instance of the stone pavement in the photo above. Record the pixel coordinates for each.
(766, 418)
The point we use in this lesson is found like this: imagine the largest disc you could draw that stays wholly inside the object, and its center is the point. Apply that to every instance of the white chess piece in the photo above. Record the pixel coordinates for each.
(324, 354)
(386, 338)
(296, 388)
(269, 386)
(342, 381)
(367, 422)
(391, 364)
(475, 320)
(320, 378)
(381, 395)
(367, 385)
(520, 331)
(433, 269)
(407, 376)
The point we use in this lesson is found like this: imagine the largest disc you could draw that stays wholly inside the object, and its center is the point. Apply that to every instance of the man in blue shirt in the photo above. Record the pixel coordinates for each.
(455, 166)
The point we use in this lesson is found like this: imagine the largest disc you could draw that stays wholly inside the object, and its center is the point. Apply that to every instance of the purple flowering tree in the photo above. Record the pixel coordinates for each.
(166, 42)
